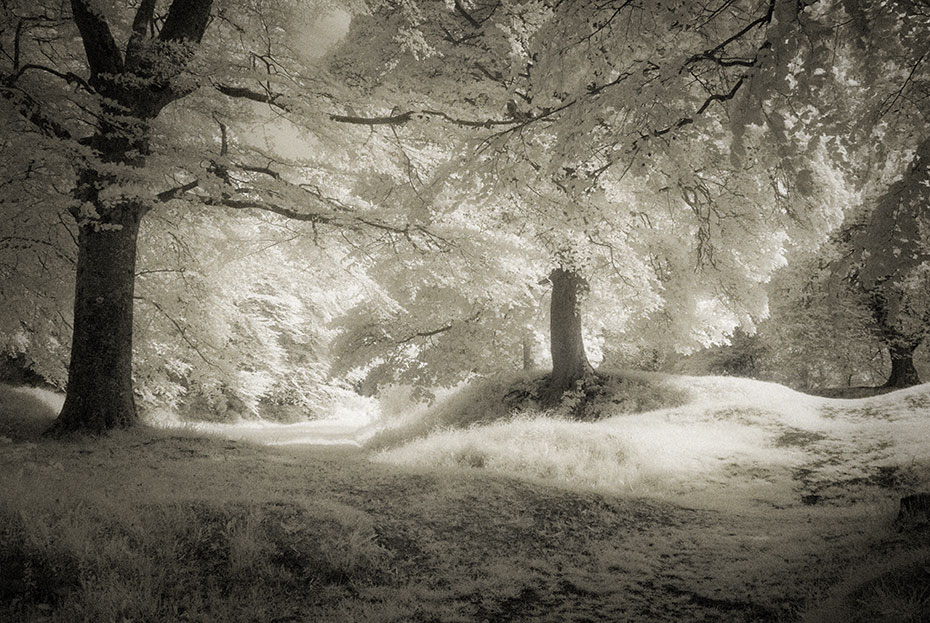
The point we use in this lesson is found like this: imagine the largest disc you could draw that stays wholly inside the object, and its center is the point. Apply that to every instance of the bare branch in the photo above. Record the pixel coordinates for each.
(69, 77)
(181, 331)
(386, 120)
(461, 11)
(899, 92)
(17, 39)
(30, 109)
(274, 99)
(715, 97)
(249, 94)
(713, 54)
(263, 170)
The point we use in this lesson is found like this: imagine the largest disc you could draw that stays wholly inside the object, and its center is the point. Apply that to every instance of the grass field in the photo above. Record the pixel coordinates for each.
(717, 500)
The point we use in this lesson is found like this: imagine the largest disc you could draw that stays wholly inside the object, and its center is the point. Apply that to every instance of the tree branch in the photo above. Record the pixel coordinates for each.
(461, 11)
(32, 112)
(103, 56)
(140, 23)
(398, 119)
(180, 330)
(442, 329)
(144, 16)
(273, 99)
(173, 193)
(69, 77)
(713, 53)
(883, 109)
(249, 94)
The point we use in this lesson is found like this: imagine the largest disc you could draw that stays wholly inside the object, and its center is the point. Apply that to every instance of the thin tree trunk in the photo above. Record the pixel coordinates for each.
(100, 395)
(569, 361)
(527, 344)
(903, 372)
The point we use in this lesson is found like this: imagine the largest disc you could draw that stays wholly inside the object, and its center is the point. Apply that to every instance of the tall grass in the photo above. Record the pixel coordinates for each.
(69, 561)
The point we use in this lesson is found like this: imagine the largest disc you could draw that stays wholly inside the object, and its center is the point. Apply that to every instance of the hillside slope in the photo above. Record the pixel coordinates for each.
(733, 443)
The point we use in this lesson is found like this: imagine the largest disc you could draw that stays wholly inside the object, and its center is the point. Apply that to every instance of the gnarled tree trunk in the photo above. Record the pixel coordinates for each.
(903, 372)
(569, 361)
(901, 347)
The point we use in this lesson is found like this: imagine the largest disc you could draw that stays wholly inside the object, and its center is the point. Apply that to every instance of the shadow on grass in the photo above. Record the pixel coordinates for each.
(849, 392)
(896, 590)
(26, 412)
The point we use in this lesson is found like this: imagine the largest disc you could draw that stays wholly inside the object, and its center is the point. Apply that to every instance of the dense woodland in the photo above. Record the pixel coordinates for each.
(252, 208)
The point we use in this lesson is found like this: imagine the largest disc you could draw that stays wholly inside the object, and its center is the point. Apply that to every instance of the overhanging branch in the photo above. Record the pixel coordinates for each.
(446, 327)
(276, 100)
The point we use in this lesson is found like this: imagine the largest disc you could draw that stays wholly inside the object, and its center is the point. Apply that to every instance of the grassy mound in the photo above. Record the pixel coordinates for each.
(735, 443)
(516, 396)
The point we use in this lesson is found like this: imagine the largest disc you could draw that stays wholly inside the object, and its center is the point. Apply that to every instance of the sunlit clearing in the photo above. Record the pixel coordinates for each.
(349, 422)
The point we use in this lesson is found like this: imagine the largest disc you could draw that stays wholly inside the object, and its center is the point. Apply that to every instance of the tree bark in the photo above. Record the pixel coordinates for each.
(100, 395)
(569, 361)
(903, 372)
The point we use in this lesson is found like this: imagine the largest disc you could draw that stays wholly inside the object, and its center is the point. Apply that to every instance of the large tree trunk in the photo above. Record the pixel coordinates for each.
(903, 372)
(134, 87)
(569, 361)
(100, 395)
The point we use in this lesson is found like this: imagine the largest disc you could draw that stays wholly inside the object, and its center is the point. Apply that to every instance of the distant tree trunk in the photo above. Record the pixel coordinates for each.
(900, 346)
(100, 395)
(569, 361)
(903, 372)
(527, 343)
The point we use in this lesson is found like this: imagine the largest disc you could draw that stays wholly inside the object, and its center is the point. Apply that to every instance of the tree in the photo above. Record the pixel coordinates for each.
(617, 133)
(37, 253)
(232, 315)
(569, 359)
(164, 119)
(133, 85)
(820, 331)
(890, 261)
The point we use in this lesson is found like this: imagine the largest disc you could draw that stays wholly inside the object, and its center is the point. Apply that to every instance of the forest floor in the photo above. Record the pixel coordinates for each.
(740, 501)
